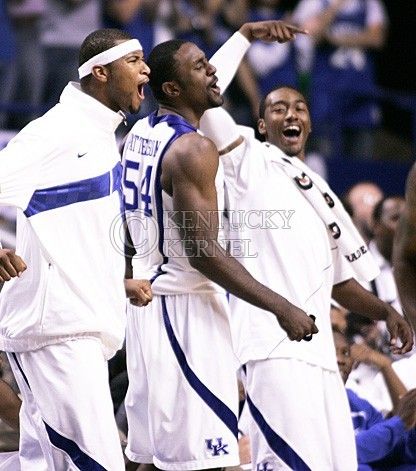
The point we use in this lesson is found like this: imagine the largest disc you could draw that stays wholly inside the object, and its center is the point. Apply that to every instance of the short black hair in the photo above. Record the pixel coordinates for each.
(99, 41)
(163, 66)
(262, 105)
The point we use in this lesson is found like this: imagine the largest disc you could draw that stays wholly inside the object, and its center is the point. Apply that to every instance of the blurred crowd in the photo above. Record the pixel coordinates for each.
(334, 65)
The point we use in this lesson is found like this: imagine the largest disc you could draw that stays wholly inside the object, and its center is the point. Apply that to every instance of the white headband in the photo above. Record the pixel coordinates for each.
(110, 55)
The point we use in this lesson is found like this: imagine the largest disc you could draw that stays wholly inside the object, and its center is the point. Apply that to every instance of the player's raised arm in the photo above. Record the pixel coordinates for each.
(228, 57)
(188, 175)
(404, 251)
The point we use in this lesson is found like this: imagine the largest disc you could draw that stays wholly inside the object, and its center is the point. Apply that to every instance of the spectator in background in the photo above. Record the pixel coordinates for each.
(272, 63)
(195, 21)
(338, 317)
(360, 200)
(66, 23)
(370, 361)
(342, 78)
(26, 16)
(386, 215)
(7, 62)
(382, 444)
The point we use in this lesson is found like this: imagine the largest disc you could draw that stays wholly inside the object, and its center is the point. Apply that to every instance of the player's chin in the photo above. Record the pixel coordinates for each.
(216, 101)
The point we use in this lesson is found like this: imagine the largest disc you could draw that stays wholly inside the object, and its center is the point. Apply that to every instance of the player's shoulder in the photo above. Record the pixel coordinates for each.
(191, 155)
(192, 146)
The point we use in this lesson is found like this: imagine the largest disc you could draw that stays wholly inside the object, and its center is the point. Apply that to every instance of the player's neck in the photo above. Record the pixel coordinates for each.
(187, 114)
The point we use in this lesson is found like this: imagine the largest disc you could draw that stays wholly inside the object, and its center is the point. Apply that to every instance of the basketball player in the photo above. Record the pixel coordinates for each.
(295, 394)
(182, 398)
(65, 315)
(404, 251)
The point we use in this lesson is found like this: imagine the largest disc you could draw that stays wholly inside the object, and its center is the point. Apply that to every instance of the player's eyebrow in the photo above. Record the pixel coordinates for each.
(287, 103)
(199, 59)
(137, 53)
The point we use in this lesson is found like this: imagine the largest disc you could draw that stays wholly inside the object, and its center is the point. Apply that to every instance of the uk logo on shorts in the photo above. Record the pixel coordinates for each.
(264, 466)
(217, 446)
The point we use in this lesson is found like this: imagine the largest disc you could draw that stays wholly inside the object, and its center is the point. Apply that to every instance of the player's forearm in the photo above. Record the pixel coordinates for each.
(373, 38)
(226, 271)
(404, 262)
(351, 295)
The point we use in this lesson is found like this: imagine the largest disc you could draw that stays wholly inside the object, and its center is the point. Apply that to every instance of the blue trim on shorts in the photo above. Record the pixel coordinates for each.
(78, 457)
(20, 369)
(220, 409)
(276, 443)
(75, 192)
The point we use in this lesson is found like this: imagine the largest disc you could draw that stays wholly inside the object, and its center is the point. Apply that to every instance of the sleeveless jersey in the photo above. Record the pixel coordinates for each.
(160, 252)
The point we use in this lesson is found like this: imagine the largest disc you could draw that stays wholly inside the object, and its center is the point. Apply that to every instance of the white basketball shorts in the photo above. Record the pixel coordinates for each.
(66, 420)
(182, 399)
(301, 417)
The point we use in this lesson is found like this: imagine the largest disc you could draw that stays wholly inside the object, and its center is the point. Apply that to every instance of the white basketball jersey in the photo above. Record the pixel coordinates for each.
(286, 246)
(160, 252)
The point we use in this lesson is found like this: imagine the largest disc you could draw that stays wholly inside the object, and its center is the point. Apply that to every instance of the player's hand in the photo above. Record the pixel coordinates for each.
(138, 291)
(297, 324)
(11, 265)
(271, 31)
(400, 331)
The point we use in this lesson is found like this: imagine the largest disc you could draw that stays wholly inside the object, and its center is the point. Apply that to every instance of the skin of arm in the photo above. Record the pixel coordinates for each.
(404, 251)
(363, 353)
(188, 175)
(139, 292)
(373, 37)
(355, 298)
(9, 405)
(318, 24)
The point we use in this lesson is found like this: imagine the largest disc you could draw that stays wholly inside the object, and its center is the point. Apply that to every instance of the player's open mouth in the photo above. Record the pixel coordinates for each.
(214, 87)
(292, 133)
(140, 91)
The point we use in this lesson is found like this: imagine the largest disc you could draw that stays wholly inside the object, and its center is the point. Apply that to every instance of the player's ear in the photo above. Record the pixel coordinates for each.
(170, 89)
(261, 126)
(100, 73)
